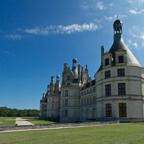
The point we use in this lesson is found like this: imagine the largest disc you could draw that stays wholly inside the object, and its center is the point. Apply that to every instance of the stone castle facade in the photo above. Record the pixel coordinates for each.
(117, 92)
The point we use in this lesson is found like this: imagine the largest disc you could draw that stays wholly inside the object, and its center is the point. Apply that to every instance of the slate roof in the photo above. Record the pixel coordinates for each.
(88, 85)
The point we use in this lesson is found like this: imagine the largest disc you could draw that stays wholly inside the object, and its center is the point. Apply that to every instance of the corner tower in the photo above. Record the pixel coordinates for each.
(119, 90)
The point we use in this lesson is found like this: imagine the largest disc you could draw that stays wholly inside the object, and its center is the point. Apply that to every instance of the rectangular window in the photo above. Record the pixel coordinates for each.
(87, 101)
(108, 90)
(66, 102)
(63, 93)
(82, 102)
(87, 91)
(120, 72)
(122, 110)
(66, 92)
(121, 89)
(107, 74)
(90, 100)
(106, 61)
(120, 59)
(94, 89)
(93, 99)
(66, 113)
(68, 84)
(108, 110)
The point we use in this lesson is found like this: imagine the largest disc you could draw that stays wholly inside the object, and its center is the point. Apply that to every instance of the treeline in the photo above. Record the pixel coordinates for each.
(8, 112)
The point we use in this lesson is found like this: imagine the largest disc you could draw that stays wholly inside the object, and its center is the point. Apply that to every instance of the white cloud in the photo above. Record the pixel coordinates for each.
(111, 4)
(8, 53)
(14, 36)
(130, 44)
(100, 5)
(138, 35)
(93, 4)
(63, 29)
(136, 32)
(109, 18)
(84, 6)
(114, 17)
(135, 44)
(136, 2)
(96, 20)
(136, 12)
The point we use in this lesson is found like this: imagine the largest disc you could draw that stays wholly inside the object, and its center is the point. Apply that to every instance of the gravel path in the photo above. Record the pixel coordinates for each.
(20, 121)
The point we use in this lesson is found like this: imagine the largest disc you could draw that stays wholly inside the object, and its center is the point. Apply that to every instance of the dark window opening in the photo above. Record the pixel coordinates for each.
(107, 74)
(122, 110)
(94, 89)
(108, 90)
(106, 61)
(66, 102)
(66, 92)
(121, 89)
(120, 59)
(66, 113)
(68, 77)
(121, 72)
(108, 110)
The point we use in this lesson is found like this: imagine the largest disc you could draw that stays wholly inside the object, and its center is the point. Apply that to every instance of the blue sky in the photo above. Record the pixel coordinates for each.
(37, 37)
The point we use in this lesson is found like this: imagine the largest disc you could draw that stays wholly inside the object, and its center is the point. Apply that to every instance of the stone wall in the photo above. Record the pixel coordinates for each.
(60, 125)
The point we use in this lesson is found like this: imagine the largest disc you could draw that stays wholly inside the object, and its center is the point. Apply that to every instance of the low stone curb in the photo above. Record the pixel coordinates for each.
(40, 126)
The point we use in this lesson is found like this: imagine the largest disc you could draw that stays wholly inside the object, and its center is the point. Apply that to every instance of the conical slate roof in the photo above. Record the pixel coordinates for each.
(119, 44)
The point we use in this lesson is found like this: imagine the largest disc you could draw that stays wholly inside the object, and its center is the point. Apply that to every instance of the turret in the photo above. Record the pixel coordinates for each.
(74, 68)
(86, 69)
(52, 84)
(117, 30)
(48, 89)
(57, 85)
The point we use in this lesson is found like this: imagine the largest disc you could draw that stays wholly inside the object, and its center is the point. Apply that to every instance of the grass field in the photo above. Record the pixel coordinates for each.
(41, 122)
(7, 121)
(108, 134)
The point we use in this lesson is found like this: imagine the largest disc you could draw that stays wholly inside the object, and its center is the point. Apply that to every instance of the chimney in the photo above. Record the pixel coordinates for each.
(65, 67)
(79, 73)
(102, 52)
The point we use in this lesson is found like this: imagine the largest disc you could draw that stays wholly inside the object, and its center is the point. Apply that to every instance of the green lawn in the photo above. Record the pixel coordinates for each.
(10, 121)
(108, 134)
(41, 122)
(7, 121)
(29, 117)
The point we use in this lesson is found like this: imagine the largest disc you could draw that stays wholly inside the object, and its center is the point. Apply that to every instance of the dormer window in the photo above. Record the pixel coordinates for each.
(106, 61)
(121, 59)
(68, 77)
